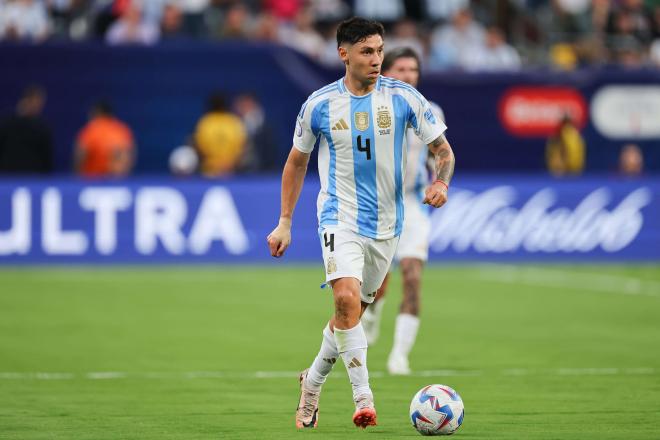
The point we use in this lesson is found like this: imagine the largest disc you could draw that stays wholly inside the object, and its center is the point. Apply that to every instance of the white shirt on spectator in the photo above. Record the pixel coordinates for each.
(192, 6)
(451, 46)
(445, 9)
(122, 33)
(25, 20)
(386, 10)
(655, 52)
(306, 41)
(492, 59)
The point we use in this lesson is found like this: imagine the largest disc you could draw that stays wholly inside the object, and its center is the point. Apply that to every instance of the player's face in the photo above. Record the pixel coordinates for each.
(404, 69)
(363, 59)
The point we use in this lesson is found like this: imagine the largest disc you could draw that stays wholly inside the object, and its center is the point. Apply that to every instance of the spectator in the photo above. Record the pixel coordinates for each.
(284, 10)
(451, 44)
(26, 144)
(655, 52)
(260, 147)
(655, 21)
(131, 29)
(444, 10)
(193, 17)
(329, 11)
(329, 54)
(105, 146)
(405, 35)
(386, 11)
(220, 138)
(631, 160)
(236, 22)
(302, 36)
(171, 23)
(64, 13)
(495, 55)
(24, 20)
(631, 19)
(266, 28)
(565, 151)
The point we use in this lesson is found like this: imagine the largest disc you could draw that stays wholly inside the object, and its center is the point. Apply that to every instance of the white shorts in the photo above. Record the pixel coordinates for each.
(348, 254)
(414, 241)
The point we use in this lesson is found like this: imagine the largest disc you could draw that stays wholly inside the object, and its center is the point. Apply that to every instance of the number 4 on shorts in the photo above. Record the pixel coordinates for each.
(329, 242)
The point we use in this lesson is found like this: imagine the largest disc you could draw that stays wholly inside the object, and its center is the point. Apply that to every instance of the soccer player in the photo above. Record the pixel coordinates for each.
(403, 64)
(360, 124)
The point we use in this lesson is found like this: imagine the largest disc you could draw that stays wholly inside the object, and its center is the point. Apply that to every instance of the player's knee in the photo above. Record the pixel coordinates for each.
(346, 299)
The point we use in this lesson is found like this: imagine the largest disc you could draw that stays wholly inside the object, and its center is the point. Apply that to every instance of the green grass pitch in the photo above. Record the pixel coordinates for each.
(536, 352)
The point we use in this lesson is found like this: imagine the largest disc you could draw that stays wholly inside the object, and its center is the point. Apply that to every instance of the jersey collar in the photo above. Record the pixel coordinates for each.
(341, 86)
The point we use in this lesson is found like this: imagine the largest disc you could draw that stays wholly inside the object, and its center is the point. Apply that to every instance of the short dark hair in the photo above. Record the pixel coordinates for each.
(103, 108)
(33, 91)
(400, 52)
(216, 102)
(358, 29)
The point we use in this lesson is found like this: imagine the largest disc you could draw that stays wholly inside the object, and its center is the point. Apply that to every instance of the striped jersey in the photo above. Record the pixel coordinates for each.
(362, 152)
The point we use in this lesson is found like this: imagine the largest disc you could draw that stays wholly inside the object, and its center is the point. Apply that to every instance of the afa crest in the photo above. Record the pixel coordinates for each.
(383, 118)
(362, 120)
(332, 266)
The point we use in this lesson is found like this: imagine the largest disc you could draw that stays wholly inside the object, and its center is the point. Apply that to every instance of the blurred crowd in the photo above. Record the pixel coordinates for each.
(485, 35)
(229, 137)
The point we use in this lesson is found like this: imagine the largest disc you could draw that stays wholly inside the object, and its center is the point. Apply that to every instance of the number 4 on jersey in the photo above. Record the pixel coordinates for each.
(366, 148)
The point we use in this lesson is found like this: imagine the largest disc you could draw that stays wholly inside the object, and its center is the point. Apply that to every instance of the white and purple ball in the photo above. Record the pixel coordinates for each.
(437, 410)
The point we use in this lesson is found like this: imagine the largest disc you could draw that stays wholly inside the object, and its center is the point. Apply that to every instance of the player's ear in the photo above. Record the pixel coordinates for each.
(343, 53)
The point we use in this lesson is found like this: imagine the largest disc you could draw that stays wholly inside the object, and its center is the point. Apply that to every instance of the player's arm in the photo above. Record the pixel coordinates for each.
(293, 177)
(436, 194)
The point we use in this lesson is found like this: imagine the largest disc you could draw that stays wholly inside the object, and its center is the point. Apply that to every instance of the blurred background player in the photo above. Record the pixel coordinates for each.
(26, 141)
(631, 160)
(412, 253)
(360, 124)
(105, 146)
(566, 150)
(220, 138)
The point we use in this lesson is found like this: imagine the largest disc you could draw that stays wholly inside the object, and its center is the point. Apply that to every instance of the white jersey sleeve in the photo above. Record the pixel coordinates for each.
(426, 121)
(307, 129)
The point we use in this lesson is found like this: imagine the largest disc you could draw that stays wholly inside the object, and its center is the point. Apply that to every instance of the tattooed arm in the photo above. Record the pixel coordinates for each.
(436, 194)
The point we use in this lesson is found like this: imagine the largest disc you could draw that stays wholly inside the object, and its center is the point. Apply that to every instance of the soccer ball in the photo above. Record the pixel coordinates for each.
(437, 410)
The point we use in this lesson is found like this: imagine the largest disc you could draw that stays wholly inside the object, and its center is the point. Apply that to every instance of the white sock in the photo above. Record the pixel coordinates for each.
(352, 347)
(324, 361)
(371, 321)
(405, 333)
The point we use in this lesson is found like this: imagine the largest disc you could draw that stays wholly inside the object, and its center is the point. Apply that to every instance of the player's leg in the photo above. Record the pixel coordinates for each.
(342, 256)
(378, 257)
(412, 254)
(371, 316)
(352, 347)
(407, 321)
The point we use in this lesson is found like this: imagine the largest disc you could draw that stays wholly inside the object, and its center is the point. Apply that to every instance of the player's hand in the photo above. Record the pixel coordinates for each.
(436, 195)
(280, 238)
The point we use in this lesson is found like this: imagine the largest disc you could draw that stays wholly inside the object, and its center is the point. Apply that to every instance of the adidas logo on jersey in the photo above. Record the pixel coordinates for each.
(354, 363)
(341, 125)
